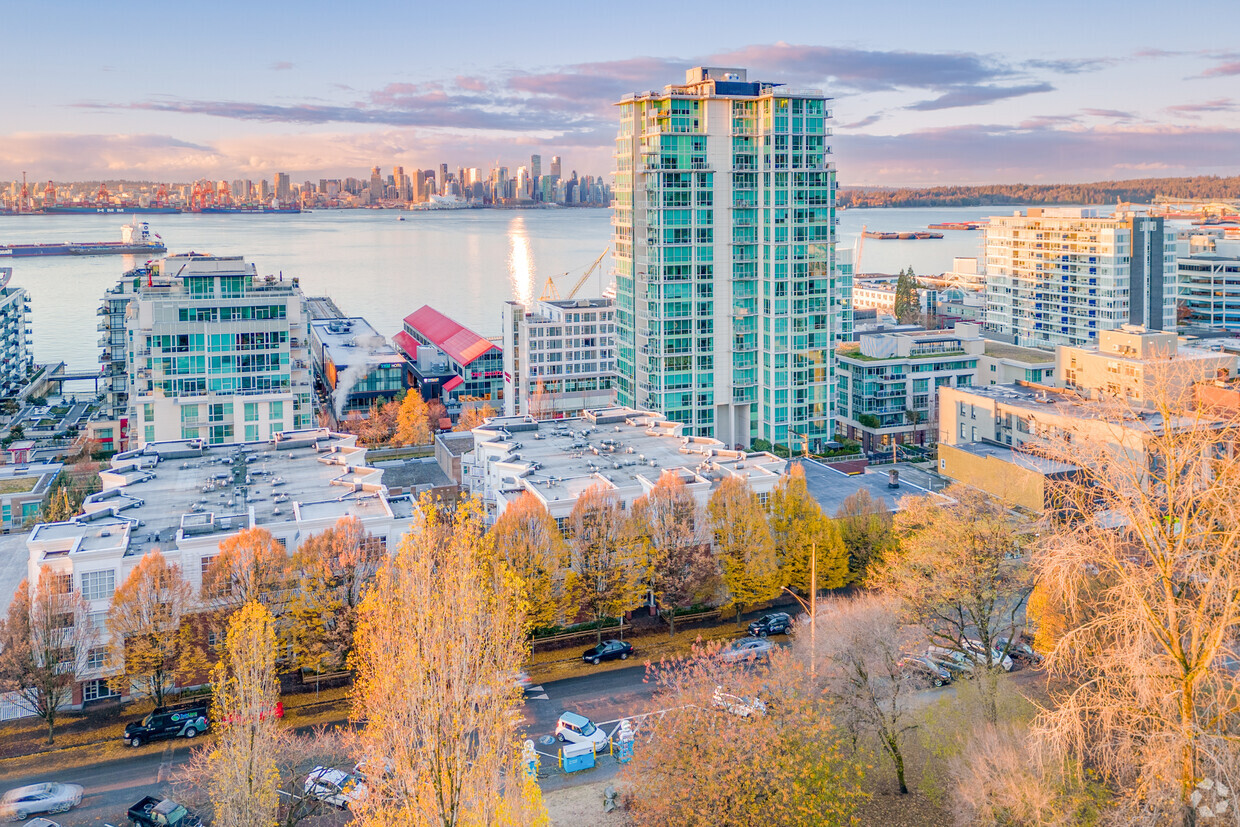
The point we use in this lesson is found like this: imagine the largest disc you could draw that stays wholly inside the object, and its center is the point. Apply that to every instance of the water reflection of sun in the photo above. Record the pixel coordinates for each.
(520, 261)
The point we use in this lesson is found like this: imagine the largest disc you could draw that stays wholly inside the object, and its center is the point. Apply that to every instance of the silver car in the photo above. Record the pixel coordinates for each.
(23, 802)
(746, 649)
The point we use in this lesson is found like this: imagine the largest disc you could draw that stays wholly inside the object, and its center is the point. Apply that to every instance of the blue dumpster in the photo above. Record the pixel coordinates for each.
(576, 757)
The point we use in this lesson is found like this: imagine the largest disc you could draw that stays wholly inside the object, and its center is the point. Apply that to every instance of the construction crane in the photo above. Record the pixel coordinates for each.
(860, 249)
(549, 288)
(49, 195)
(102, 197)
(25, 197)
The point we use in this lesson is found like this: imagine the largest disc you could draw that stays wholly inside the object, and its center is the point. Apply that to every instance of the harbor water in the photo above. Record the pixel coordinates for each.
(463, 262)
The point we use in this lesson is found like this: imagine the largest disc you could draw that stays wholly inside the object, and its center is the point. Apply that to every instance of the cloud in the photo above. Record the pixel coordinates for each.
(1116, 114)
(864, 122)
(1222, 70)
(471, 84)
(989, 153)
(978, 96)
(1039, 121)
(1071, 66)
(280, 66)
(1195, 110)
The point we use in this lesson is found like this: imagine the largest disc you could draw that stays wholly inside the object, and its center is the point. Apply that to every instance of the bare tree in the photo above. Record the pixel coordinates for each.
(743, 544)
(528, 539)
(862, 641)
(605, 577)
(439, 639)
(672, 532)
(1144, 562)
(144, 622)
(240, 768)
(44, 645)
(961, 574)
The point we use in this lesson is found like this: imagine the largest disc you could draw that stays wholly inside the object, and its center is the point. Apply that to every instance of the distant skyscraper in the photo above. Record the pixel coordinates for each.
(376, 185)
(728, 307)
(284, 191)
(555, 165)
(441, 178)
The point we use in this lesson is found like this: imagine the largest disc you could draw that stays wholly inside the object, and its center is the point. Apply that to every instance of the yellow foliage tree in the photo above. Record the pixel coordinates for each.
(744, 544)
(605, 568)
(800, 528)
(473, 416)
(241, 765)
(440, 636)
(529, 541)
(413, 420)
(144, 622)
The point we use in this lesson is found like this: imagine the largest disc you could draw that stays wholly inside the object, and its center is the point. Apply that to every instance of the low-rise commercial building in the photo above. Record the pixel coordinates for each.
(1138, 365)
(355, 365)
(623, 450)
(1019, 478)
(559, 357)
(23, 490)
(447, 361)
(1002, 364)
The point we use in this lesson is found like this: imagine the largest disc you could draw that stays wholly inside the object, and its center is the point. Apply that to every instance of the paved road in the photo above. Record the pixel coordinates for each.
(113, 785)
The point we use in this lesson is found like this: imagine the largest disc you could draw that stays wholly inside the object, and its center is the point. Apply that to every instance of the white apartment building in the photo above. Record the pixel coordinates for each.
(728, 302)
(620, 449)
(1061, 276)
(184, 498)
(559, 357)
(1208, 281)
(201, 347)
(880, 294)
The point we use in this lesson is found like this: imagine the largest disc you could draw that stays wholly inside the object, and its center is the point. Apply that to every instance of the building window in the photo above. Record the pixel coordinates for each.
(97, 657)
(98, 585)
(97, 690)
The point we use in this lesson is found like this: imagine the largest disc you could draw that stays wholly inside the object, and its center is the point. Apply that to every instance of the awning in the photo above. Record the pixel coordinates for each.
(452, 383)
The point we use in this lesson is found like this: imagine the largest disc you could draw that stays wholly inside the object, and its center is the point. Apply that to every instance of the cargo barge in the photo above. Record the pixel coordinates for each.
(901, 236)
(136, 239)
(959, 225)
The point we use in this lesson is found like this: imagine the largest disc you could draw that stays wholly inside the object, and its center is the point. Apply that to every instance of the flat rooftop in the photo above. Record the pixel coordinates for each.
(169, 487)
(1002, 350)
(618, 447)
(352, 341)
(830, 487)
(1041, 399)
(1023, 459)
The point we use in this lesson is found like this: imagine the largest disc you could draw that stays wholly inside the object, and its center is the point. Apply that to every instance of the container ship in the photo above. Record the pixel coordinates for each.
(250, 210)
(136, 239)
(902, 236)
(91, 209)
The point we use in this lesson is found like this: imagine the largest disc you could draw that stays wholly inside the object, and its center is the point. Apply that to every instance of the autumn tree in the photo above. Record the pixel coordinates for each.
(412, 422)
(961, 574)
(474, 416)
(44, 644)
(379, 426)
(144, 622)
(907, 301)
(604, 566)
(674, 538)
(60, 506)
(528, 539)
(698, 765)
(251, 566)
(1143, 563)
(439, 638)
(540, 405)
(862, 642)
(801, 529)
(435, 414)
(865, 527)
(331, 572)
(743, 543)
(240, 767)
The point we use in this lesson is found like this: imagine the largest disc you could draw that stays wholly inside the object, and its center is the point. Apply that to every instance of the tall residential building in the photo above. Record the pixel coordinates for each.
(1061, 276)
(201, 347)
(535, 166)
(555, 165)
(559, 357)
(1209, 283)
(728, 307)
(16, 361)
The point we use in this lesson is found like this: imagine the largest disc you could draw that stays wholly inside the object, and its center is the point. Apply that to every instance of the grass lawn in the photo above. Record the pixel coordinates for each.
(19, 485)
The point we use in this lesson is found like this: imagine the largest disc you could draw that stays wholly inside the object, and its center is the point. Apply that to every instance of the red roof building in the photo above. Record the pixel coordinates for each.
(448, 360)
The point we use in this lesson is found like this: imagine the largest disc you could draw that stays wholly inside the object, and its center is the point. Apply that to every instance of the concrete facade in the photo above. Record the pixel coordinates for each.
(1138, 364)
(559, 357)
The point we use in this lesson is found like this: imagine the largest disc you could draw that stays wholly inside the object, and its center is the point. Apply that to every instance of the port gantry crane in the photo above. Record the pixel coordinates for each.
(551, 292)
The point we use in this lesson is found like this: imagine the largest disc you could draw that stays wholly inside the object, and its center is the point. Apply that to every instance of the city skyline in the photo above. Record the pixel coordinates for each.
(983, 94)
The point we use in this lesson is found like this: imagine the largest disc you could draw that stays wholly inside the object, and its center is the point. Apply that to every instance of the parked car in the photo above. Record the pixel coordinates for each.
(155, 812)
(579, 729)
(741, 707)
(608, 650)
(951, 660)
(924, 669)
(21, 803)
(1019, 651)
(522, 680)
(335, 787)
(996, 656)
(771, 624)
(182, 721)
(746, 649)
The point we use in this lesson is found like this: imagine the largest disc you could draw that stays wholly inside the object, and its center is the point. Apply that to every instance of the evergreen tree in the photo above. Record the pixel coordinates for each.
(908, 303)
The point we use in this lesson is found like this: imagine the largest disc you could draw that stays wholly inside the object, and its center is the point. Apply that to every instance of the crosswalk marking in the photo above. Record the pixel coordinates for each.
(542, 697)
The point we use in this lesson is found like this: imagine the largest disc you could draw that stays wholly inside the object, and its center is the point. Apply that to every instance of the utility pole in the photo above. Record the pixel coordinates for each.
(811, 608)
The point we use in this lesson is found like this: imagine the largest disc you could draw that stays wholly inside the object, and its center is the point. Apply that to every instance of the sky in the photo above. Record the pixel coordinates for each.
(924, 93)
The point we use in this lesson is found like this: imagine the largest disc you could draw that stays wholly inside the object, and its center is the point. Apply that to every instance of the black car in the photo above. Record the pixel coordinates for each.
(773, 624)
(183, 721)
(608, 650)
(924, 669)
(1018, 651)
